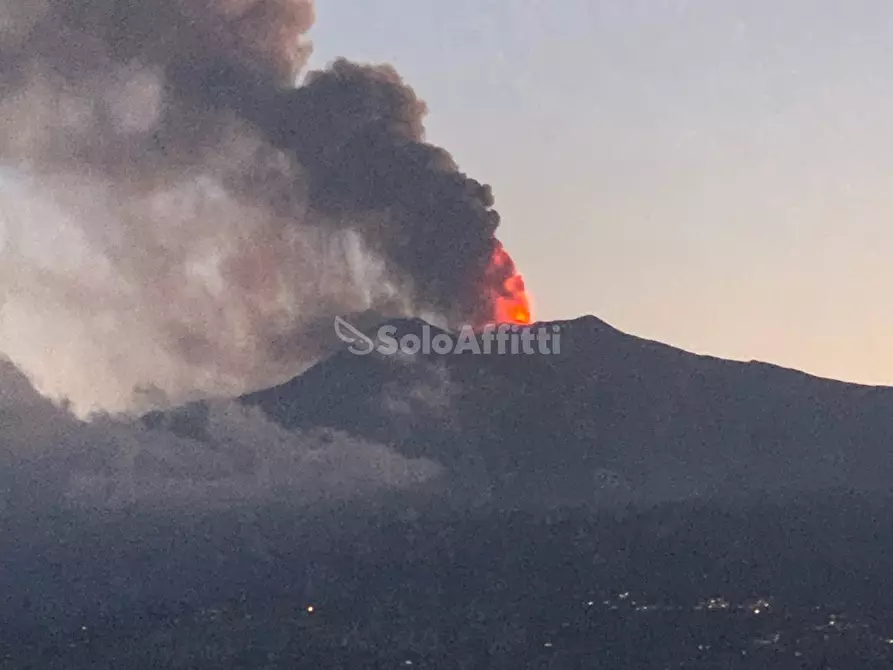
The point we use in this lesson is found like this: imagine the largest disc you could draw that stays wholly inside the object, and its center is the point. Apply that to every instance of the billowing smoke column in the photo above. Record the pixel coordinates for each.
(176, 215)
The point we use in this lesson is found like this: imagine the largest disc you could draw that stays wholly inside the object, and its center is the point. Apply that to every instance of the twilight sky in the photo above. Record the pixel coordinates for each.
(715, 174)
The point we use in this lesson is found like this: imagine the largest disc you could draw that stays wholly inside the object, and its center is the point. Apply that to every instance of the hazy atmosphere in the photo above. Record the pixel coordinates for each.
(439, 335)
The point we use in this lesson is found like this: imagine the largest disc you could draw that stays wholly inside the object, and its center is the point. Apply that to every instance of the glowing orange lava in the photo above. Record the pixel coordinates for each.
(512, 302)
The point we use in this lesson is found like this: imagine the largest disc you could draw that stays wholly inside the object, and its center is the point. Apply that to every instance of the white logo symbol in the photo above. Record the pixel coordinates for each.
(359, 343)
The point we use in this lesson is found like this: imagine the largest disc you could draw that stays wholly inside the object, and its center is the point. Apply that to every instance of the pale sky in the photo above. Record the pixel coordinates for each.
(714, 174)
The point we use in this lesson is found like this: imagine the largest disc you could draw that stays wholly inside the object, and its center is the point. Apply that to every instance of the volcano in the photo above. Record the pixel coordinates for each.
(610, 416)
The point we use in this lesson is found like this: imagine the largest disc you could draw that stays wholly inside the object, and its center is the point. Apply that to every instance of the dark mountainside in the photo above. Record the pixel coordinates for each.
(612, 417)
(540, 578)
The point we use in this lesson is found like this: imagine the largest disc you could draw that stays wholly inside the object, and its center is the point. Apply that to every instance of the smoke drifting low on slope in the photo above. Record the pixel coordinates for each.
(50, 458)
(178, 219)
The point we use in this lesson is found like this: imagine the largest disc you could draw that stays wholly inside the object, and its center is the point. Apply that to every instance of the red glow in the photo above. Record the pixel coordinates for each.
(511, 302)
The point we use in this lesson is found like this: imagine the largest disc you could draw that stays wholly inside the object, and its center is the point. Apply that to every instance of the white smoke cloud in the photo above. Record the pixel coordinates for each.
(153, 247)
(183, 290)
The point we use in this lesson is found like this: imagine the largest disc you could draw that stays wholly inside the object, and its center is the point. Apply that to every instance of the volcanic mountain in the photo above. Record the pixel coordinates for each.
(610, 417)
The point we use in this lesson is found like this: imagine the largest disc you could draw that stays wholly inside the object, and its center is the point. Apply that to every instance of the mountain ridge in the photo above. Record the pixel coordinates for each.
(611, 417)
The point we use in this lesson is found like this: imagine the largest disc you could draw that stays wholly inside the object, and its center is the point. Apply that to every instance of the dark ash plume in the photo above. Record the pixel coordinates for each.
(176, 215)
(358, 129)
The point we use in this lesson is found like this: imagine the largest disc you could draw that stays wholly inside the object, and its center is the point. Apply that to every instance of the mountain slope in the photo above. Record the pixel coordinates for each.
(611, 416)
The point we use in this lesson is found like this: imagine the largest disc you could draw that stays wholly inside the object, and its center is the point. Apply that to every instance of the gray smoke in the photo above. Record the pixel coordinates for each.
(48, 457)
(177, 219)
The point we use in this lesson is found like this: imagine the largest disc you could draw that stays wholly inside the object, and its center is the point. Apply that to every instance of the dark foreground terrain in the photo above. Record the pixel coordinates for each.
(801, 585)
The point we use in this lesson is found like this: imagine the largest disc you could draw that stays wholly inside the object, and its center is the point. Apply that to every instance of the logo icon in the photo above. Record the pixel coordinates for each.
(360, 343)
